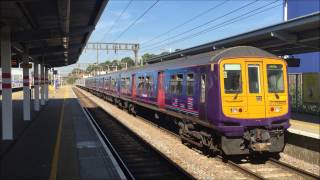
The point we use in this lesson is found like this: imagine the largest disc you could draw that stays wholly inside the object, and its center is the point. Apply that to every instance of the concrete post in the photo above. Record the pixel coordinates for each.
(46, 88)
(136, 58)
(7, 122)
(26, 89)
(42, 84)
(36, 87)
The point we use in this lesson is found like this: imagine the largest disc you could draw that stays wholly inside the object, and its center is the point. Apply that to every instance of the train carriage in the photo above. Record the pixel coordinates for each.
(234, 99)
(16, 79)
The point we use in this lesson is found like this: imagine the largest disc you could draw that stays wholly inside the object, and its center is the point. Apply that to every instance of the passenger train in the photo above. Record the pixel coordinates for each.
(16, 79)
(232, 100)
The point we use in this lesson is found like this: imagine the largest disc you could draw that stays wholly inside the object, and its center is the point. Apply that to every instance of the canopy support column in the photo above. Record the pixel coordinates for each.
(36, 87)
(7, 121)
(26, 89)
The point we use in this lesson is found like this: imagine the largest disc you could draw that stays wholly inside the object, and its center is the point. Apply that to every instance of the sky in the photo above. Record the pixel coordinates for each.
(177, 24)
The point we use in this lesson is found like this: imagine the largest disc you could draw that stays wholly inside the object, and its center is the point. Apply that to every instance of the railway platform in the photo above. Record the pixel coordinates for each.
(305, 125)
(58, 143)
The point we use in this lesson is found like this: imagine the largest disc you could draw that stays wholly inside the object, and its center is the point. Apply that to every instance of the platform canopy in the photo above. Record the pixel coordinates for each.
(300, 35)
(54, 31)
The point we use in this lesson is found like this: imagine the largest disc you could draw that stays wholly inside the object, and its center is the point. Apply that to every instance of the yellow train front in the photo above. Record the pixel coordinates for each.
(255, 109)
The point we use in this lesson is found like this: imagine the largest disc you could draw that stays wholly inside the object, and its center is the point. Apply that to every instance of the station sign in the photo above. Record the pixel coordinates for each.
(26, 65)
(293, 62)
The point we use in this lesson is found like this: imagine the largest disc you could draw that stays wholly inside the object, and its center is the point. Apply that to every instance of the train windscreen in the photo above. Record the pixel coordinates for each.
(232, 78)
(275, 78)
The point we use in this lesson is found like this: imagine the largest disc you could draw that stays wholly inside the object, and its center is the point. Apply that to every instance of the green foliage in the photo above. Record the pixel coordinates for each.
(127, 60)
(77, 71)
(91, 68)
(146, 57)
(72, 79)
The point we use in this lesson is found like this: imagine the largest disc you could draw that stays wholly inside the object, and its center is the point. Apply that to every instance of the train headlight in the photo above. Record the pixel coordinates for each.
(234, 110)
(277, 109)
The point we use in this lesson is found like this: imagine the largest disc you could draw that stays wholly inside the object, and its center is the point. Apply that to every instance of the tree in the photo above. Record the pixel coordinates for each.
(77, 71)
(91, 68)
(104, 65)
(146, 57)
(127, 60)
(71, 79)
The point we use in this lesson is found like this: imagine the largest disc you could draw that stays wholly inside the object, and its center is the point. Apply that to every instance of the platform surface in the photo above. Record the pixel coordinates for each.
(58, 143)
(305, 124)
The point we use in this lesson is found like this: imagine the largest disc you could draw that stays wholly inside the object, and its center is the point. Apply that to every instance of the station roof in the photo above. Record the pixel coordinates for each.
(54, 29)
(300, 35)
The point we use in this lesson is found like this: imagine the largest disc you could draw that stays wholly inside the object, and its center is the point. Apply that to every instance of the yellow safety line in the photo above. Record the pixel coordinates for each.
(54, 163)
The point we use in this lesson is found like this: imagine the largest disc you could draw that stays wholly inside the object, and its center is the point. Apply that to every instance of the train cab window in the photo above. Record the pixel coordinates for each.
(275, 78)
(203, 88)
(232, 78)
(254, 78)
(190, 84)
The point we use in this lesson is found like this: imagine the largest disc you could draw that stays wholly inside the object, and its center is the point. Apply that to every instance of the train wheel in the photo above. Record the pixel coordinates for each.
(129, 108)
(133, 110)
(275, 155)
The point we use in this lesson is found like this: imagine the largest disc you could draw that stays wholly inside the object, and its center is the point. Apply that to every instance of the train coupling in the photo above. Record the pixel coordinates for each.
(260, 146)
(259, 139)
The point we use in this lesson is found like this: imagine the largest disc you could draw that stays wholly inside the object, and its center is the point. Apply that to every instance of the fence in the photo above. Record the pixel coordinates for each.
(304, 93)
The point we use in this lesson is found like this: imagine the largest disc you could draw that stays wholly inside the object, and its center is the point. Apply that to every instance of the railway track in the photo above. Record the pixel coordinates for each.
(280, 170)
(268, 169)
(137, 158)
(272, 169)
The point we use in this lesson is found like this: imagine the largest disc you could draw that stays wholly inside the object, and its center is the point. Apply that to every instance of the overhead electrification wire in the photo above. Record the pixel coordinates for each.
(186, 22)
(223, 24)
(134, 22)
(118, 18)
(206, 23)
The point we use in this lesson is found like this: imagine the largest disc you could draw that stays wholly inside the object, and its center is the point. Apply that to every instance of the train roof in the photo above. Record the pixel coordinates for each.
(206, 58)
(200, 59)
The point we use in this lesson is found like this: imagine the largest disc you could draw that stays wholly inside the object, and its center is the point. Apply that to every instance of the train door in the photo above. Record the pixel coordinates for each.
(161, 93)
(133, 86)
(203, 89)
(255, 90)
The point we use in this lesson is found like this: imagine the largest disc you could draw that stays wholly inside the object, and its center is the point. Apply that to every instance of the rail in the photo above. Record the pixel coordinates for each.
(137, 158)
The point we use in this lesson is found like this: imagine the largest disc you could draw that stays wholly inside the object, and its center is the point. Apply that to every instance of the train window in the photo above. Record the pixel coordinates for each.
(113, 83)
(232, 78)
(275, 78)
(173, 84)
(179, 84)
(128, 82)
(149, 83)
(123, 83)
(254, 78)
(203, 88)
(190, 84)
(141, 84)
